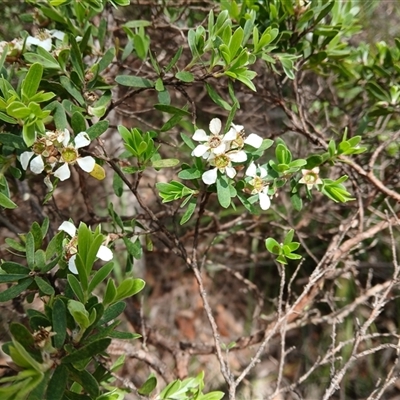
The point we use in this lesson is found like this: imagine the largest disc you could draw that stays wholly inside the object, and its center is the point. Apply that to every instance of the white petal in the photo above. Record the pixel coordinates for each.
(222, 148)
(240, 156)
(31, 40)
(68, 227)
(37, 165)
(265, 201)
(230, 171)
(254, 140)
(237, 128)
(81, 140)
(210, 177)
(57, 34)
(263, 172)
(215, 126)
(200, 135)
(230, 135)
(251, 170)
(25, 157)
(48, 183)
(63, 172)
(200, 150)
(45, 44)
(72, 265)
(86, 163)
(104, 253)
(65, 137)
(315, 170)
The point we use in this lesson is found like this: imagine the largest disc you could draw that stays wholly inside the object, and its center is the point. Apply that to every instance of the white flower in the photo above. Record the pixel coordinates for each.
(36, 165)
(215, 143)
(70, 155)
(311, 177)
(258, 184)
(104, 253)
(223, 163)
(237, 131)
(43, 39)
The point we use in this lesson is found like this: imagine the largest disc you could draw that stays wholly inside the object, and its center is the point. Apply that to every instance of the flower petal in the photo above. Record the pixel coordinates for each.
(215, 126)
(64, 137)
(210, 177)
(57, 34)
(222, 148)
(254, 140)
(25, 157)
(200, 135)
(251, 170)
(237, 128)
(265, 201)
(104, 253)
(200, 150)
(263, 172)
(230, 171)
(86, 163)
(71, 265)
(239, 156)
(63, 172)
(37, 165)
(68, 227)
(230, 135)
(81, 140)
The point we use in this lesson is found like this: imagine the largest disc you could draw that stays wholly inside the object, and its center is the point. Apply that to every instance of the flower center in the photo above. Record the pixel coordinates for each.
(258, 184)
(214, 142)
(238, 142)
(221, 161)
(43, 35)
(70, 155)
(310, 178)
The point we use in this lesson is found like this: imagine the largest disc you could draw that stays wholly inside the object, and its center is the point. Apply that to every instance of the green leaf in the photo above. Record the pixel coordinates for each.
(273, 246)
(188, 141)
(100, 275)
(112, 312)
(184, 76)
(174, 59)
(171, 109)
(191, 207)
(78, 122)
(118, 185)
(31, 82)
(59, 323)
(216, 98)
(235, 42)
(76, 287)
(70, 87)
(223, 190)
(58, 383)
(97, 129)
(165, 163)
(134, 81)
(15, 290)
(86, 380)
(44, 286)
(148, 386)
(87, 351)
(129, 287)
(22, 335)
(6, 202)
(110, 292)
(190, 173)
(79, 313)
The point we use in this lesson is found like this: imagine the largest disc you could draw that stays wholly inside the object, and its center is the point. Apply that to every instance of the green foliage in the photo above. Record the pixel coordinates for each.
(56, 96)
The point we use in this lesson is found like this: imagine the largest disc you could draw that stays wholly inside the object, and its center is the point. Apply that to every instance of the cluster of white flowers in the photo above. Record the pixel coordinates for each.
(224, 151)
(55, 149)
(71, 247)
